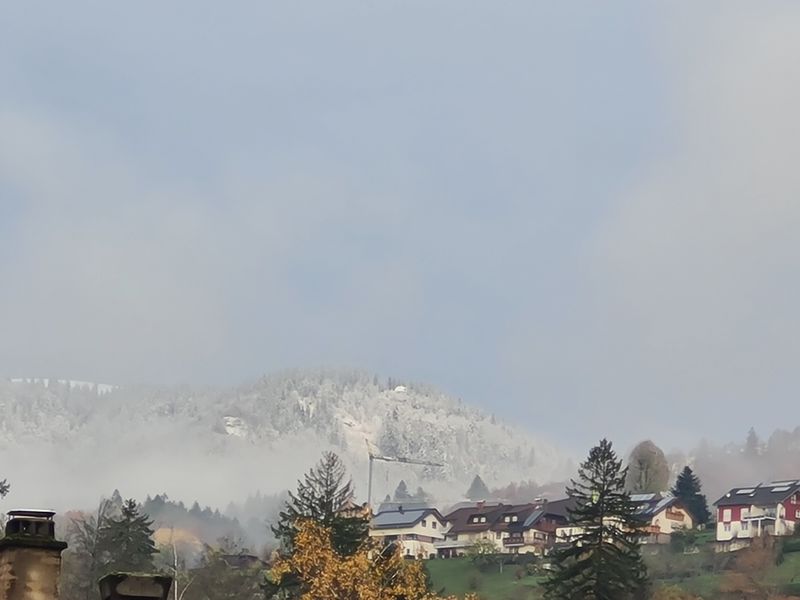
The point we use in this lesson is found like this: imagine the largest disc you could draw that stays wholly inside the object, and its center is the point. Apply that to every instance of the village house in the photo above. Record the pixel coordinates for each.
(466, 525)
(537, 533)
(512, 529)
(663, 515)
(415, 531)
(764, 509)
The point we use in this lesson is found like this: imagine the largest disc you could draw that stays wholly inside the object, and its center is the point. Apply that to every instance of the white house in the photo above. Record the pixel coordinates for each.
(415, 531)
(748, 512)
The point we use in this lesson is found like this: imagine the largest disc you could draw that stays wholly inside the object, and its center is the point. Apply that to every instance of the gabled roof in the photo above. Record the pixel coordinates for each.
(462, 519)
(521, 511)
(394, 506)
(403, 518)
(560, 508)
(763, 494)
(652, 504)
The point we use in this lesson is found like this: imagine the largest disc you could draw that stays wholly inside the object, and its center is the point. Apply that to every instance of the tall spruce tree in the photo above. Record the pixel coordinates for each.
(688, 489)
(478, 490)
(128, 540)
(322, 496)
(603, 562)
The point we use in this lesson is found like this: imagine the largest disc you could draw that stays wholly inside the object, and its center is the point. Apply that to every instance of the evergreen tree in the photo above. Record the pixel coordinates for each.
(688, 489)
(604, 561)
(648, 471)
(421, 495)
(321, 496)
(401, 494)
(128, 540)
(478, 490)
(5, 487)
(752, 446)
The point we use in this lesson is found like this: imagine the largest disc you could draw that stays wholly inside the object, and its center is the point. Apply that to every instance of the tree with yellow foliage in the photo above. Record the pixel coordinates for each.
(371, 573)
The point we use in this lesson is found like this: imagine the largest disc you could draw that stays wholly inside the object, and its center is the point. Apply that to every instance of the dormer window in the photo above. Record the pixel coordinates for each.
(514, 518)
(483, 519)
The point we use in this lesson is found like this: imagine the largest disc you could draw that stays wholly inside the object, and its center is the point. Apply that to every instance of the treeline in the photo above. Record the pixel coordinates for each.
(122, 537)
(203, 523)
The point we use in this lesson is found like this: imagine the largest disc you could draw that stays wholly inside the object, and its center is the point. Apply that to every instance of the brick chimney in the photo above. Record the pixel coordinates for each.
(30, 556)
(134, 586)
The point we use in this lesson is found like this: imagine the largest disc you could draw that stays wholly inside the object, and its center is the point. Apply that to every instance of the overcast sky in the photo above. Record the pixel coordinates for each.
(581, 216)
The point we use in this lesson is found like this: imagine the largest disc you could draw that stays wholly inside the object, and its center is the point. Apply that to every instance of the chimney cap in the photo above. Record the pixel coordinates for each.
(31, 513)
(134, 586)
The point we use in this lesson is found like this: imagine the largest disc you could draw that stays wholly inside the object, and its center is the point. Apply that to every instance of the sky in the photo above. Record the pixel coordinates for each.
(580, 216)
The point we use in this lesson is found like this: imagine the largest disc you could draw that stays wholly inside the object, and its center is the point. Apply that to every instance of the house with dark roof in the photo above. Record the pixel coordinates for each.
(767, 508)
(466, 525)
(415, 530)
(512, 528)
(537, 533)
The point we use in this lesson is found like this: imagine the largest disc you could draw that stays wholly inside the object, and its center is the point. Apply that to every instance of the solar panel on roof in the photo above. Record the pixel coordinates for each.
(642, 497)
(783, 488)
(746, 491)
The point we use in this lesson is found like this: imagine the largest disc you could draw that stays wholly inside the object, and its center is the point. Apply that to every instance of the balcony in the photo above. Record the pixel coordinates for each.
(514, 541)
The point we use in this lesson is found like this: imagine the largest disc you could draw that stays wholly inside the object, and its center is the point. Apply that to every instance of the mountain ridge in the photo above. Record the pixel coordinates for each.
(213, 441)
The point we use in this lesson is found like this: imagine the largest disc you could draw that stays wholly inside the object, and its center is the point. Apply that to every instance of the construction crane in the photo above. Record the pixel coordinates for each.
(397, 459)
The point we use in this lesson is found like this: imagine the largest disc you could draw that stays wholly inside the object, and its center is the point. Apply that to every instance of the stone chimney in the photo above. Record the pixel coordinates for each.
(130, 586)
(30, 556)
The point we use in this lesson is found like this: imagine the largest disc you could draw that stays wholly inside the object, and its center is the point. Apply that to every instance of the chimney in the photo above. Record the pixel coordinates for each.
(129, 586)
(30, 556)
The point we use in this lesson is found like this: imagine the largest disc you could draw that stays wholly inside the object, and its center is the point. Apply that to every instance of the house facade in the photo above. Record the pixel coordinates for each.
(537, 533)
(512, 529)
(414, 531)
(466, 525)
(764, 509)
(663, 514)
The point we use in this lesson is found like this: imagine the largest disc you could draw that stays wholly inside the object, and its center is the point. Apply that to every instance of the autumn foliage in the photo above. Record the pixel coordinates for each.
(371, 573)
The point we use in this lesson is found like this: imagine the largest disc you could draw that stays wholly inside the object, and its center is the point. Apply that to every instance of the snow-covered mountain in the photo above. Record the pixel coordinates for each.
(63, 444)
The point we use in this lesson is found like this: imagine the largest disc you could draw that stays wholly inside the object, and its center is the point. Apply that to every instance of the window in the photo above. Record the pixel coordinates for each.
(797, 514)
(745, 526)
(433, 524)
(726, 515)
(483, 520)
(727, 526)
(497, 535)
(424, 523)
(514, 519)
(507, 519)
